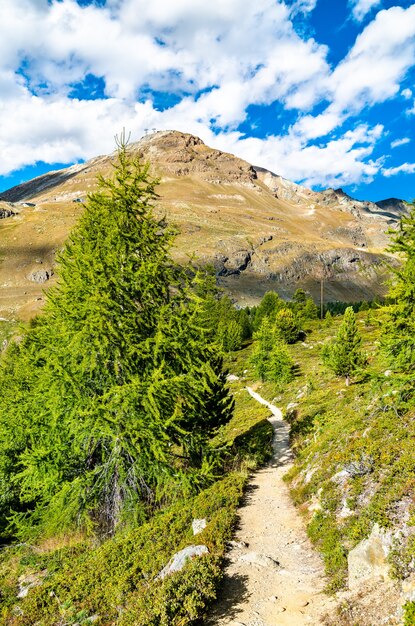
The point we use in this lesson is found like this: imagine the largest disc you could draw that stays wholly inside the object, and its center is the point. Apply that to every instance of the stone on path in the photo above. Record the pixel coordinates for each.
(253, 558)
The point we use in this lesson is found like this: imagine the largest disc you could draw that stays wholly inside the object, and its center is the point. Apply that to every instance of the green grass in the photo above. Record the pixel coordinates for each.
(7, 328)
(365, 427)
(117, 581)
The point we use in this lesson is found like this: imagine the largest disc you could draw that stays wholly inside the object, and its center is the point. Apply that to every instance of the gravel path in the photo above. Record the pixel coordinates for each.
(273, 577)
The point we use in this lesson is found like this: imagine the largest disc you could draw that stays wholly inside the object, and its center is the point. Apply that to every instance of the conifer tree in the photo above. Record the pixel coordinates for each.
(399, 330)
(264, 340)
(268, 307)
(345, 355)
(287, 325)
(270, 357)
(115, 378)
(281, 365)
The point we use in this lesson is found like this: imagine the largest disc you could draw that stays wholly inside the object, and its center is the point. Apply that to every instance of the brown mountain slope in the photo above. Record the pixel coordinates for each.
(259, 230)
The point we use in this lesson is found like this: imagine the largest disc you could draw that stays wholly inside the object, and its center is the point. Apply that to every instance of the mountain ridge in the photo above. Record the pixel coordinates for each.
(259, 230)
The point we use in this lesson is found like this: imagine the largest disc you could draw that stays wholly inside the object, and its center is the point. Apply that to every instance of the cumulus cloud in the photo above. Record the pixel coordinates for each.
(407, 93)
(217, 58)
(378, 61)
(405, 168)
(342, 161)
(360, 8)
(400, 142)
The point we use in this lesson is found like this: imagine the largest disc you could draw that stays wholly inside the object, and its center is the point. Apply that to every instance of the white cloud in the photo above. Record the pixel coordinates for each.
(360, 8)
(223, 55)
(311, 127)
(302, 6)
(405, 168)
(400, 142)
(378, 61)
(341, 161)
(407, 93)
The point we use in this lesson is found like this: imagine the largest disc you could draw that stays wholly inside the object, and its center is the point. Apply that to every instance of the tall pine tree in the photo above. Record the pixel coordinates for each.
(117, 379)
(399, 330)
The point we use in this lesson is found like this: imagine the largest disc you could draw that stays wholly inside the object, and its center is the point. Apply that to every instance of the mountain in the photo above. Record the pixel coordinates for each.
(259, 230)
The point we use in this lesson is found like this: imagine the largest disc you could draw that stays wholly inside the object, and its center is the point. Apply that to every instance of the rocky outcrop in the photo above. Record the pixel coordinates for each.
(368, 562)
(235, 264)
(182, 154)
(179, 560)
(40, 276)
(259, 230)
(198, 525)
(6, 213)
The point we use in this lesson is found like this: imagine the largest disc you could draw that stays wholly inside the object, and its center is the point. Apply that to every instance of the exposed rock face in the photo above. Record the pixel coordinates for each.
(368, 560)
(393, 206)
(6, 213)
(181, 154)
(259, 230)
(6, 210)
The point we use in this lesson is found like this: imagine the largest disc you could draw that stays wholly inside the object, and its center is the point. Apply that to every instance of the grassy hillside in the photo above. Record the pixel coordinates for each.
(259, 231)
(354, 450)
(354, 467)
(76, 581)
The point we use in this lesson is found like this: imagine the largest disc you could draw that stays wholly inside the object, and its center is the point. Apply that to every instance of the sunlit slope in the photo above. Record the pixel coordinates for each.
(260, 231)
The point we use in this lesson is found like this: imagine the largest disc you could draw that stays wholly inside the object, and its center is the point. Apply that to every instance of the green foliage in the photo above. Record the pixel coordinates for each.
(108, 402)
(287, 326)
(323, 531)
(299, 298)
(117, 579)
(269, 356)
(344, 354)
(328, 319)
(400, 324)
(268, 307)
(310, 311)
(265, 338)
(281, 365)
(303, 306)
(227, 326)
(230, 335)
(409, 614)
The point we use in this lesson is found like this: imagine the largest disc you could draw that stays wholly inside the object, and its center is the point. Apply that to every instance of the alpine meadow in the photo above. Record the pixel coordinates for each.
(207, 330)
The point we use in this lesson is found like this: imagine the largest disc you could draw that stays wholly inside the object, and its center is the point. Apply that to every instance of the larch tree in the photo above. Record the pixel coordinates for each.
(120, 388)
(399, 330)
(344, 355)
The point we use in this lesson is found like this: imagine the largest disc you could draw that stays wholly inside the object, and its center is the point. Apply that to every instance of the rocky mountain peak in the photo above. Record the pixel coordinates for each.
(259, 230)
(182, 154)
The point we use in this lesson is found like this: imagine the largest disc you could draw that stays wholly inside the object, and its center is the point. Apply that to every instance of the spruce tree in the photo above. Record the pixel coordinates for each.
(117, 379)
(345, 355)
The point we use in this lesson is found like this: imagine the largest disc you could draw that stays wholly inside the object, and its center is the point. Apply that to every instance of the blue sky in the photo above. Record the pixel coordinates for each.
(319, 91)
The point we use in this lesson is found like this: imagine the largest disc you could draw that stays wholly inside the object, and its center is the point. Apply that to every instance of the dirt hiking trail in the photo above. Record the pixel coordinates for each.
(273, 577)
